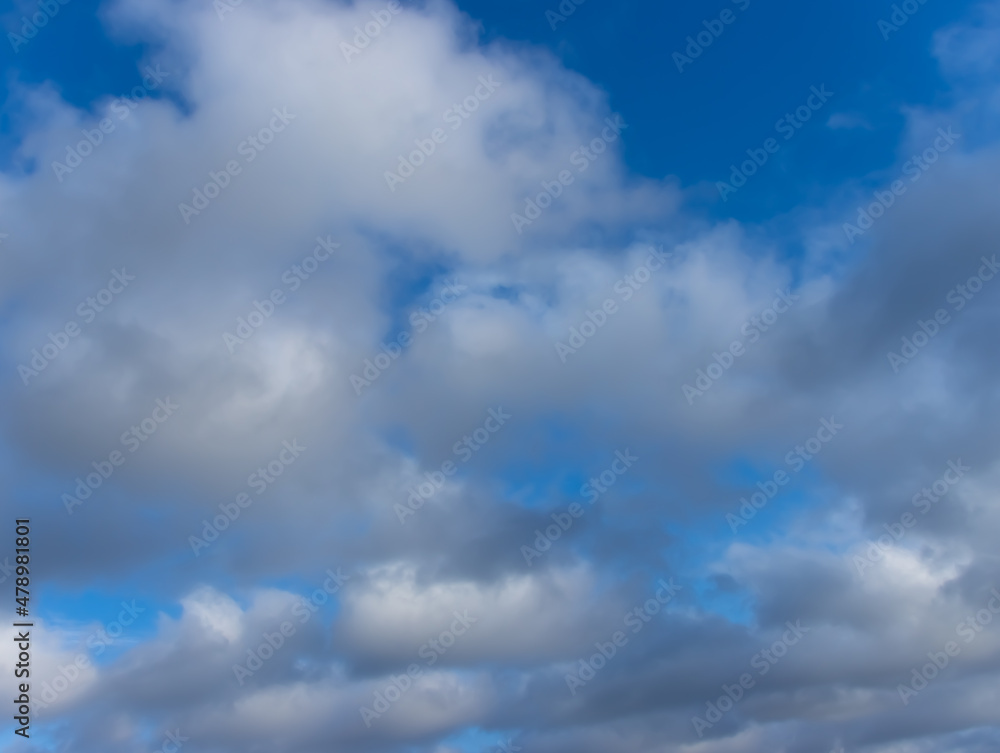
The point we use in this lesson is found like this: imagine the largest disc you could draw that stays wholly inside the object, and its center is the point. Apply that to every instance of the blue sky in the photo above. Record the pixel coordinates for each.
(591, 370)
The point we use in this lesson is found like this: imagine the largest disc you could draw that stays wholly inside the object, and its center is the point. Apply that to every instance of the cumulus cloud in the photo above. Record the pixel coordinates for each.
(768, 346)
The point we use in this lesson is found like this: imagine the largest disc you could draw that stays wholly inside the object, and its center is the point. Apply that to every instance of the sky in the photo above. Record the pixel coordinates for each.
(436, 377)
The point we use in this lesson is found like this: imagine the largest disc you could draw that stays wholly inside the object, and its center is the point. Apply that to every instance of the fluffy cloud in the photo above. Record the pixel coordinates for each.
(683, 290)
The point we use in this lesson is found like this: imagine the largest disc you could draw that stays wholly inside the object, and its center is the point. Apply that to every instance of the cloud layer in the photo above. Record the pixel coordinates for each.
(379, 325)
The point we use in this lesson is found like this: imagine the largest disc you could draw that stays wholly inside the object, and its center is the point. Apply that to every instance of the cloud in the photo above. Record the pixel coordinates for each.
(684, 290)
